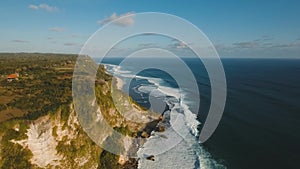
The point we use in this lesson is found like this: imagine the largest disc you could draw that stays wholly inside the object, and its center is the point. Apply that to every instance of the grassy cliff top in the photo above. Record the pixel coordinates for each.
(43, 84)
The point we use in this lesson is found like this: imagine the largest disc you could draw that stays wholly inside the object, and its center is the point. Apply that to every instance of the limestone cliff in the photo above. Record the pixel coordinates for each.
(49, 135)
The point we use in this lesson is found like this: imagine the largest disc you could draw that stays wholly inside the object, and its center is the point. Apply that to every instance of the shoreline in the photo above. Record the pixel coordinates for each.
(119, 83)
(130, 158)
(156, 124)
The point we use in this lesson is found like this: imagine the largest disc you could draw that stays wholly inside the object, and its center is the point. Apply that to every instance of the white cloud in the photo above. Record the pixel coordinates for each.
(20, 41)
(57, 29)
(45, 7)
(246, 44)
(34, 7)
(70, 44)
(179, 44)
(126, 19)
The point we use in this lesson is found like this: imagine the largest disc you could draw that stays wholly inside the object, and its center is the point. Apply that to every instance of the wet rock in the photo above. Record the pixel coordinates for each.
(160, 128)
(145, 134)
(151, 157)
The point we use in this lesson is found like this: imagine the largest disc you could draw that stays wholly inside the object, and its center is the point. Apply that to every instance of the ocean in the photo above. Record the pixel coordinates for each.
(260, 124)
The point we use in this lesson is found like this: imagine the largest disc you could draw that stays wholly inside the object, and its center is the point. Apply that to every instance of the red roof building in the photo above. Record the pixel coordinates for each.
(12, 77)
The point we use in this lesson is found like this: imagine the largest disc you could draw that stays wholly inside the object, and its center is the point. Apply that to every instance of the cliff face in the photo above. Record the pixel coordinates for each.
(49, 134)
(54, 142)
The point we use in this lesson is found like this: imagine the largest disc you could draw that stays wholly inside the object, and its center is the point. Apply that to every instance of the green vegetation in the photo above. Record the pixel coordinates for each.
(44, 88)
(81, 147)
(14, 155)
(2, 107)
(54, 131)
(138, 106)
(125, 131)
(44, 83)
(108, 161)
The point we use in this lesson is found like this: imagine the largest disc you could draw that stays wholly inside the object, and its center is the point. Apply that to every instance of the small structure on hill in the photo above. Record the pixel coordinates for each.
(12, 77)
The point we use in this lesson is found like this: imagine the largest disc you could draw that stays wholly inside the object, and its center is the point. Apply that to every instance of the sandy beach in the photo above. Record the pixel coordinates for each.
(120, 83)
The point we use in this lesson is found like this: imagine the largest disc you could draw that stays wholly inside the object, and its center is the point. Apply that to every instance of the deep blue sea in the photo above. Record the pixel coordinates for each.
(260, 127)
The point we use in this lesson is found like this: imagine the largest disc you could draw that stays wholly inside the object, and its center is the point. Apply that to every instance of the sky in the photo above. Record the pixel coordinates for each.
(248, 28)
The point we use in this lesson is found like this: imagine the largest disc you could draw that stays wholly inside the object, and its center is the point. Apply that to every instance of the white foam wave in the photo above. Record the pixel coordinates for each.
(183, 121)
(191, 118)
